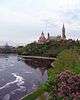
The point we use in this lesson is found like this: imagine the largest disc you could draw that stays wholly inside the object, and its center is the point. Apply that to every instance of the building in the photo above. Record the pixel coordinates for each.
(43, 39)
(7, 49)
(56, 38)
(63, 33)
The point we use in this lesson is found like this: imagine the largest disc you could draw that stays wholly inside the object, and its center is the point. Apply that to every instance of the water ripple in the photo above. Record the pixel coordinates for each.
(19, 81)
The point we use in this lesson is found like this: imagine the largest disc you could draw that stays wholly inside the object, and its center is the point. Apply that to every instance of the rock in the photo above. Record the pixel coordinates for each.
(6, 97)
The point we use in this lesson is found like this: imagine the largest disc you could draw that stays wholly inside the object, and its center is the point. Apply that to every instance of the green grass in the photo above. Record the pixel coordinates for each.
(34, 95)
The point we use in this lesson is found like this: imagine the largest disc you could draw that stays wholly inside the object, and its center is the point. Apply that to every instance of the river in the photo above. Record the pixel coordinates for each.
(17, 78)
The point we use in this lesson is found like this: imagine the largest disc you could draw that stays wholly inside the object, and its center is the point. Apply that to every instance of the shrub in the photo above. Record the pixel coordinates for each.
(68, 85)
(60, 82)
(69, 60)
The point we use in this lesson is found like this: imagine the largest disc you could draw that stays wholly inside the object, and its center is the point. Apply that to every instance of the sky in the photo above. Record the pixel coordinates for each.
(22, 21)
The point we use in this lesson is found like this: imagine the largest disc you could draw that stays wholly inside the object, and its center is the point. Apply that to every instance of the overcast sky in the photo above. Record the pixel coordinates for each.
(22, 21)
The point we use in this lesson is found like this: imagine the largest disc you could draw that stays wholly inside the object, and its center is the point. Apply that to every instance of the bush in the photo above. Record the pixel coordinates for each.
(68, 85)
(69, 60)
(66, 60)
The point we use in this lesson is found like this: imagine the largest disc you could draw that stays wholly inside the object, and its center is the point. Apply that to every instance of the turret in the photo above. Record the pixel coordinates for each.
(42, 39)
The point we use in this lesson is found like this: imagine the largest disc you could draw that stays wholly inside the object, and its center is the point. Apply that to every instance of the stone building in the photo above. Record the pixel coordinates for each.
(43, 39)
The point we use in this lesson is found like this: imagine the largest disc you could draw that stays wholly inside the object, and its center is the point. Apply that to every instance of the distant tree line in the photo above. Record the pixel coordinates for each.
(7, 50)
(52, 48)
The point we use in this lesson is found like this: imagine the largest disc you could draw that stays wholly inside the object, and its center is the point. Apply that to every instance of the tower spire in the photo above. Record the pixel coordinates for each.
(48, 35)
(63, 32)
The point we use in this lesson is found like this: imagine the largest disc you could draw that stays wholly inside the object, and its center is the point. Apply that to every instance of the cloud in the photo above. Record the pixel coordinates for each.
(23, 20)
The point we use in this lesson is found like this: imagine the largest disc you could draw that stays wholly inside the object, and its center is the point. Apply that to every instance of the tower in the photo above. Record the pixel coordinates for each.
(48, 36)
(42, 39)
(42, 34)
(63, 33)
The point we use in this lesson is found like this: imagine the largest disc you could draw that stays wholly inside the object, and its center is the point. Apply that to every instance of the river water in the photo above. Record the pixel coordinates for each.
(18, 78)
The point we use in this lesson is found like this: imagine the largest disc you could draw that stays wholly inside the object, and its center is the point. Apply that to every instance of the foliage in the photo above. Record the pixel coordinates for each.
(51, 48)
(34, 95)
(20, 50)
(68, 85)
(35, 49)
(66, 60)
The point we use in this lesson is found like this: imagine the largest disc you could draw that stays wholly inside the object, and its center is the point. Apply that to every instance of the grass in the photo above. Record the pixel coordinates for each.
(34, 95)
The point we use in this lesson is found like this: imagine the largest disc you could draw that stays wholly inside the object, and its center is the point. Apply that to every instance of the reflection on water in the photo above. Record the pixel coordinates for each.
(17, 78)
